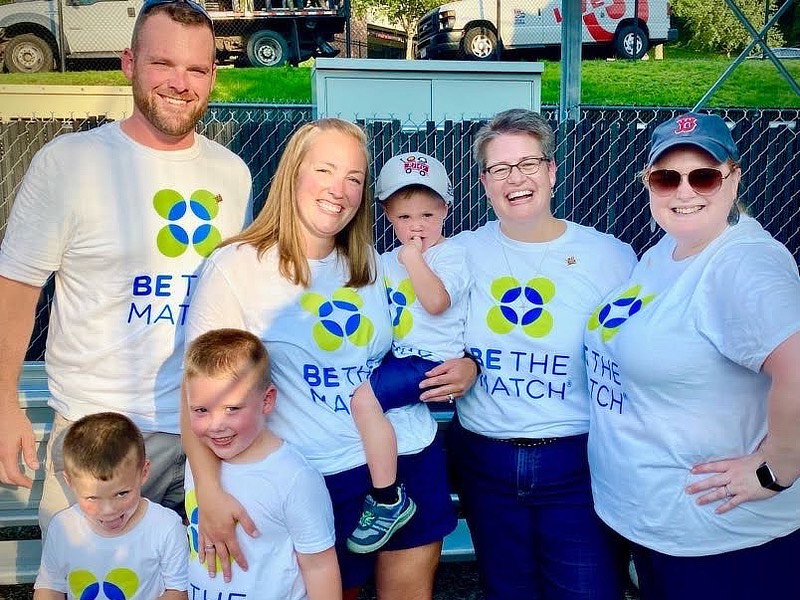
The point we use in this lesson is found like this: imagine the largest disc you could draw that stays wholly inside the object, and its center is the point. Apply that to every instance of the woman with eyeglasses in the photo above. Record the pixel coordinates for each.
(694, 372)
(519, 439)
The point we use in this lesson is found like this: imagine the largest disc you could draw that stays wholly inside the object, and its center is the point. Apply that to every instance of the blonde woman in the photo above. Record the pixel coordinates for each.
(304, 279)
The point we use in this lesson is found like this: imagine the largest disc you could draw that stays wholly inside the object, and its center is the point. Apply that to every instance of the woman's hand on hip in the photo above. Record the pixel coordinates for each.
(732, 482)
(219, 514)
(449, 381)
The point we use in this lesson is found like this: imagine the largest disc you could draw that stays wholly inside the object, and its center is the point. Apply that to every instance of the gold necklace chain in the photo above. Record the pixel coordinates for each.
(522, 302)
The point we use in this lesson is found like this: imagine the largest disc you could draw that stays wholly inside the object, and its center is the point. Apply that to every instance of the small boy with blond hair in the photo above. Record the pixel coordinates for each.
(428, 287)
(229, 394)
(111, 538)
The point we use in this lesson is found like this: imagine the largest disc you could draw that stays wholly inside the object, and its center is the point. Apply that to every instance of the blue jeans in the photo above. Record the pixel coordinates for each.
(765, 571)
(532, 519)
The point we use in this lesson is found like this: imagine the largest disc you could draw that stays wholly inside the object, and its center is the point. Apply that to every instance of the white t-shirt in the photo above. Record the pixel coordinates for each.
(416, 331)
(673, 361)
(323, 343)
(528, 308)
(289, 503)
(125, 228)
(141, 563)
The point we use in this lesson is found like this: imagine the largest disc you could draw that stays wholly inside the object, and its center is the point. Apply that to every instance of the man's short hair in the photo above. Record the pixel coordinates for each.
(99, 444)
(179, 11)
(231, 353)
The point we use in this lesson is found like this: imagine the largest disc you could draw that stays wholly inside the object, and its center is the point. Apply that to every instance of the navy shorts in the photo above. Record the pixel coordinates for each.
(395, 382)
(425, 477)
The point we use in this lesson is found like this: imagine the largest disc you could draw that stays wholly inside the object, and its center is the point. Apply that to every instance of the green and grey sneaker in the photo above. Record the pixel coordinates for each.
(379, 521)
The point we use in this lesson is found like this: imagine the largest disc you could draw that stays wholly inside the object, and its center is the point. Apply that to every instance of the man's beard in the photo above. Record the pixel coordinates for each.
(170, 123)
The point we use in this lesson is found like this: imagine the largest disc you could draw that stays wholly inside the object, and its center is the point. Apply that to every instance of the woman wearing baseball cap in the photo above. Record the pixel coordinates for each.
(693, 369)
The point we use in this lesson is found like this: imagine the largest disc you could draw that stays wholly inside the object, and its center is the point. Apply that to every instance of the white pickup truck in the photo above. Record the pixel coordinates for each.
(275, 33)
(468, 29)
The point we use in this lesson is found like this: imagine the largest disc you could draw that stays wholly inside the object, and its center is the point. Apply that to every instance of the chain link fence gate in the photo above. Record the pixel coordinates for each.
(599, 160)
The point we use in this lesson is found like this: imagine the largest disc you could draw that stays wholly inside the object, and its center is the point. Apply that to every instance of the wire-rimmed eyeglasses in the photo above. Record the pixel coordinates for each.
(529, 165)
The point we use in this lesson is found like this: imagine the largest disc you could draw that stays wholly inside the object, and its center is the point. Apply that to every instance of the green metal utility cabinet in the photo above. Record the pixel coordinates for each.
(416, 91)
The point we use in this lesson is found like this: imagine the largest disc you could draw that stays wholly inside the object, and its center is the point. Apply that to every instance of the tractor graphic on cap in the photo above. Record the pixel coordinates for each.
(416, 163)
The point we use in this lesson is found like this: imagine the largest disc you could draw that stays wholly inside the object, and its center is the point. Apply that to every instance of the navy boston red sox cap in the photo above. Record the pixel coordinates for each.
(708, 132)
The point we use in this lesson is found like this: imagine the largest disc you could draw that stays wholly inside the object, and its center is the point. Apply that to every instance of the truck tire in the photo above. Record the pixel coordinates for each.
(631, 42)
(28, 53)
(480, 43)
(267, 48)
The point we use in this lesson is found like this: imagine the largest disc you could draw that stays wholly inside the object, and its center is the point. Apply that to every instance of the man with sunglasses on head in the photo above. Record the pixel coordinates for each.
(693, 370)
(123, 215)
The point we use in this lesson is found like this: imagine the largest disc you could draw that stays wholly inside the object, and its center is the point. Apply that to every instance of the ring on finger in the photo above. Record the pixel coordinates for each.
(727, 491)
(209, 546)
(450, 397)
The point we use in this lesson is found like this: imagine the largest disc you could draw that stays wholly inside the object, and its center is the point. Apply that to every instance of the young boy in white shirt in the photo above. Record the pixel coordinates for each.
(229, 393)
(111, 538)
(427, 283)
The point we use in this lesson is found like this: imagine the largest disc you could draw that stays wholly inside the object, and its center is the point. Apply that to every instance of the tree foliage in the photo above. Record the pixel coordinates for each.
(713, 26)
(404, 13)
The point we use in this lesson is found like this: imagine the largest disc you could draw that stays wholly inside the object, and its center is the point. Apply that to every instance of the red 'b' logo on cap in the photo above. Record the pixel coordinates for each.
(686, 125)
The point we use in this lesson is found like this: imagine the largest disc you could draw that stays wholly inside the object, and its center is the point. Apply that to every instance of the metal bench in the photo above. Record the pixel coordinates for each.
(19, 558)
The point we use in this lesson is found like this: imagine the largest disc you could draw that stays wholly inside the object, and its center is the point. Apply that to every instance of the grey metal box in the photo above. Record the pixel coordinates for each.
(421, 90)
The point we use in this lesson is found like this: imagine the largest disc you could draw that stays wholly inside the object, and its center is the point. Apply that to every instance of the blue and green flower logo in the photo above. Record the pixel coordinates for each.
(173, 239)
(400, 300)
(340, 318)
(610, 317)
(193, 529)
(521, 306)
(193, 515)
(118, 584)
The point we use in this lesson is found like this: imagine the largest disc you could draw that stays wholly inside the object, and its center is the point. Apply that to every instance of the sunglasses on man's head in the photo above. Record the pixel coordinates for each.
(704, 181)
(190, 4)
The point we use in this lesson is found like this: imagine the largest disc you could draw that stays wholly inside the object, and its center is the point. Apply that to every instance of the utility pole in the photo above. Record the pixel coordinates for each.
(499, 37)
(569, 101)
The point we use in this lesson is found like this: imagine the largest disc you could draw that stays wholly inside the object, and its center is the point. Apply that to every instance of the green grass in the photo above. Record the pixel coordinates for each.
(281, 85)
(679, 80)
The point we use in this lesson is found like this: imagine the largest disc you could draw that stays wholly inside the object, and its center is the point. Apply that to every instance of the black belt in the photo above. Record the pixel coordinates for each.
(527, 442)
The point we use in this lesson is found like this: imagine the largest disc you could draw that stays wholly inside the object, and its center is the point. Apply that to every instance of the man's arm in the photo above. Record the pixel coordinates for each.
(17, 311)
(320, 573)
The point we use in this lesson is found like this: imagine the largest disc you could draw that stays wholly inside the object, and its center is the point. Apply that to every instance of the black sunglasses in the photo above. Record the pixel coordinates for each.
(190, 4)
(704, 181)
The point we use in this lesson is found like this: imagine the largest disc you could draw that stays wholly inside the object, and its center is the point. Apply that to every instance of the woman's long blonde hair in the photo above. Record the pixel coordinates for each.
(278, 223)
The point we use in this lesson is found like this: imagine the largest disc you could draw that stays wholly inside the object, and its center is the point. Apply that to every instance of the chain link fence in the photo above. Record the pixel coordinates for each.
(599, 161)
